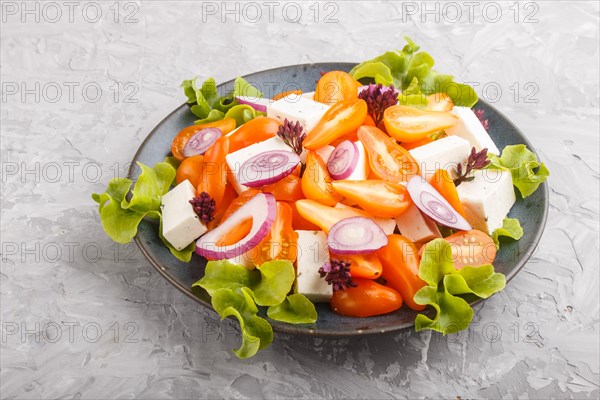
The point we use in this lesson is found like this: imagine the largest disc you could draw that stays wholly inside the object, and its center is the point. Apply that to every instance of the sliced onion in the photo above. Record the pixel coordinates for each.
(432, 203)
(261, 209)
(267, 167)
(258, 103)
(343, 161)
(356, 235)
(201, 141)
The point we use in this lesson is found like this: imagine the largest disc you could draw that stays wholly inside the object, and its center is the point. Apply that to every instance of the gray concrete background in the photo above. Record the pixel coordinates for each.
(84, 82)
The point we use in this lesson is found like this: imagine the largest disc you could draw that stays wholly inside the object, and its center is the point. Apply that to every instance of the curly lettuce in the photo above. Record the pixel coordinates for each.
(511, 228)
(409, 66)
(446, 287)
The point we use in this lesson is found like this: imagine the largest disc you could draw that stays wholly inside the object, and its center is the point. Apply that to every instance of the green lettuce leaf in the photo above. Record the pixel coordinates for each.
(257, 333)
(211, 116)
(276, 281)
(268, 283)
(241, 87)
(402, 67)
(445, 286)
(522, 164)
(413, 96)
(295, 309)
(223, 274)
(242, 113)
(120, 216)
(511, 227)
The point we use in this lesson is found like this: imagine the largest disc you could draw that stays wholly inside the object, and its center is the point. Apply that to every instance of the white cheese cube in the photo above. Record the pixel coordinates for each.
(180, 224)
(487, 199)
(417, 227)
(470, 128)
(309, 95)
(237, 158)
(443, 153)
(312, 254)
(301, 109)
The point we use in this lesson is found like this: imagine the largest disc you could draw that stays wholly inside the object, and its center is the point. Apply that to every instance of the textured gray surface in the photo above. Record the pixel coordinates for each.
(84, 318)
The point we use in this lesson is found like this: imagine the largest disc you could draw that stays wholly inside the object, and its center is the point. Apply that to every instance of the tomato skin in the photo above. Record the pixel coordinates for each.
(411, 124)
(254, 131)
(286, 94)
(336, 86)
(439, 102)
(473, 248)
(341, 119)
(228, 196)
(400, 260)
(388, 160)
(299, 223)
(365, 266)
(316, 181)
(190, 169)
(325, 217)
(281, 242)
(242, 199)
(213, 177)
(287, 189)
(367, 299)
(442, 182)
(225, 125)
(379, 198)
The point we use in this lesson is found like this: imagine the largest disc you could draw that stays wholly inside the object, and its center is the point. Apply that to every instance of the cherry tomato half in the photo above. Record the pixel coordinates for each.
(316, 181)
(336, 86)
(473, 248)
(341, 119)
(410, 124)
(225, 125)
(256, 130)
(379, 198)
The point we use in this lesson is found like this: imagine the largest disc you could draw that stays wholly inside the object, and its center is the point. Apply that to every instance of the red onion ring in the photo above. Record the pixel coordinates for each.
(343, 161)
(356, 235)
(267, 167)
(258, 103)
(201, 141)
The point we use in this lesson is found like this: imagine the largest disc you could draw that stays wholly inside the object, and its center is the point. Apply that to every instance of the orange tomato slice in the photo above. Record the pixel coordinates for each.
(379, 198)
(411, 124)
(341, 119)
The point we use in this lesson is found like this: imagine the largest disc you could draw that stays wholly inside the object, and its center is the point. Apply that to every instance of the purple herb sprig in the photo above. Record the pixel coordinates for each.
(476, 160)
(337, 273)
(378, 98)
(204, 207)
(292, 134)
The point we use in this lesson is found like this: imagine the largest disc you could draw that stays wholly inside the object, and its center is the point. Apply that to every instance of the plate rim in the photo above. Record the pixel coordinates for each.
(292, 329)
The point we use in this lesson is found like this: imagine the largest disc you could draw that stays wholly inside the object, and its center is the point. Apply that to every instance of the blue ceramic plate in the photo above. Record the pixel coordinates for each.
(531, 211)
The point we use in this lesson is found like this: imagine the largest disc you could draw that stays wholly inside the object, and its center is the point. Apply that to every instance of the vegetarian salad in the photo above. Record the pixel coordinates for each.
(380, 189)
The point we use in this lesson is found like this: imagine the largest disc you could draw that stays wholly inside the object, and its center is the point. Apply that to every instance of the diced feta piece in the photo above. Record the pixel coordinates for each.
(301, 109)
(325, 152)
(312, 254)
(470, 128)
(417, 227)
(487, 199)
(180, 224)
(388, 225)
(443, 153)
(309, 95)
(237, 158)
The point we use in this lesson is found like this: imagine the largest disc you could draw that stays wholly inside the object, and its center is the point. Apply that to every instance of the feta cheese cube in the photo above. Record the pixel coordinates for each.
(309, 95)
(237, 158)
(469, 128)
(180, 224)
(325, 152)
(301, 109)
(487, 199)
(443, 153)
(312, 254)
(416, 226)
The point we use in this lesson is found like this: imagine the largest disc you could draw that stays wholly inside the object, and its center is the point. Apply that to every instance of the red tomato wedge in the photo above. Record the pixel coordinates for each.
(473, 248)
(213, 177)
(388, 160)
(400, 260)
(411, 124)
(336, 86)
(367, 299)
(341, 119)
(365, 266)
(379, 198)
(316, 182)
(254, 131)
(439, 102)
(225, 125)
(325, 217)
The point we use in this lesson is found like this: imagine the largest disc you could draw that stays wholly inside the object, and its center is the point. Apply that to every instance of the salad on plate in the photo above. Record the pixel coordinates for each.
(378, 190)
